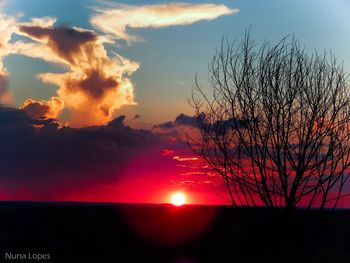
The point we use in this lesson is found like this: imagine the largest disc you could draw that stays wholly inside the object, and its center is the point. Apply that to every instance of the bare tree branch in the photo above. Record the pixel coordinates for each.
(275, 125)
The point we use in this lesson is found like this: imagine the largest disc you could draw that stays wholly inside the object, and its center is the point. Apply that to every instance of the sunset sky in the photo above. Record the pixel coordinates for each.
(87, 62)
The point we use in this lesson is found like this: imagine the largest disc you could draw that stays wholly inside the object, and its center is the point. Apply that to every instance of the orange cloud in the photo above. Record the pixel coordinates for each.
(115, 20)
(43, 109)
(95, 85)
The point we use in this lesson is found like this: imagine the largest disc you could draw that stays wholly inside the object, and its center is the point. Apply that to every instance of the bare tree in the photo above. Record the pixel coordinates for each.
(275, 124)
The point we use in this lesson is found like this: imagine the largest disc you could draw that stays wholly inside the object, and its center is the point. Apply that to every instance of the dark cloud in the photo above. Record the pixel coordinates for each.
(66, 42)
(67, 142)
(13, 119)
(182, 120)
(117, 122)
(165, 125)
(196, 121)
(37, 155)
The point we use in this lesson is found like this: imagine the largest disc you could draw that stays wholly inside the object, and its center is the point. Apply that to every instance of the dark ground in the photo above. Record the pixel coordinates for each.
(73, 232)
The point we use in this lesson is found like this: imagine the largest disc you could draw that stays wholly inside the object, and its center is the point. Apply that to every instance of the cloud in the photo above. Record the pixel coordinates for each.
(66, 43)
(62, 158)
(46, 21)
(179, 129)
(97, 143)
(96, 86)
(43, 109)
(117, 19)
(184, 119)
(181, 120)
(165, 125)
(8, 26)
(194, 122)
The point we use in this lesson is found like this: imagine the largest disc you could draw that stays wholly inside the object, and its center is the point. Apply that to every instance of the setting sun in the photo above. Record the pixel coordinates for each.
(178, 199)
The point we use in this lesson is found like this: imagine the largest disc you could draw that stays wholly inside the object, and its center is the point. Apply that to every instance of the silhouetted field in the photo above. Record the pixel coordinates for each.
(84, 232)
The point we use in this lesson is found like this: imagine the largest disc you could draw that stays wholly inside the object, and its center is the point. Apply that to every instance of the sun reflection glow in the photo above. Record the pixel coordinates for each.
(178, 199)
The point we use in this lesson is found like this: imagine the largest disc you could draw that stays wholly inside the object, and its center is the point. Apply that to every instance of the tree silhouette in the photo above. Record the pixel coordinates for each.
(275, 124)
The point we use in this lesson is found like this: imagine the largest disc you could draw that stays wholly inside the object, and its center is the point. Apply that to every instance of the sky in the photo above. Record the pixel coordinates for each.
(170, 56)
(86, 63)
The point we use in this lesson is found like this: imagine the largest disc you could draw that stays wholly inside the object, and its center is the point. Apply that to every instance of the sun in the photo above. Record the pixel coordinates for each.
(178, 199)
